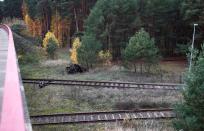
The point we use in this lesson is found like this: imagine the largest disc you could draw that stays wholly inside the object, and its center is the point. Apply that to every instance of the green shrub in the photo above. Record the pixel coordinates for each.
(190, 112)
(29, 59)
(17, 28)
(26, 51)
(51, 48)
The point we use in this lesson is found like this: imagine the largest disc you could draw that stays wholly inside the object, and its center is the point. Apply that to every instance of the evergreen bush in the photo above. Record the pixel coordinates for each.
(141, 48)
(190, 112)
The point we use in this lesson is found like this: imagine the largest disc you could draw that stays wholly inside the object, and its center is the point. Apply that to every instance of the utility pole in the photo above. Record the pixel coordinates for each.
(192, 46)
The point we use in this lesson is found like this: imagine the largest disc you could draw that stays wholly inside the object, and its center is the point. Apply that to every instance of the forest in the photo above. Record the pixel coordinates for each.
(113, 22)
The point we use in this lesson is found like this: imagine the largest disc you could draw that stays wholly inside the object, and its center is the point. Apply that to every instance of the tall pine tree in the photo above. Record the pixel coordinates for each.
(112, 22)
(1, 11)
(190, 113)
(192, 12)
(12, 8)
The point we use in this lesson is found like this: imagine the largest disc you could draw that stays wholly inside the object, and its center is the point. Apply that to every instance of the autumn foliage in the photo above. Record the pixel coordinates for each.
(39, 26)
(61, 28)
(49, 36)
(73, 51)
(34, 26)
(105, 57)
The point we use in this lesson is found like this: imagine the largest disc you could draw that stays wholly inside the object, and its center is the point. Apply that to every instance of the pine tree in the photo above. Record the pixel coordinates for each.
(12, 8)
(1, 11)
(113, 23)
(192, 12)
(162, 19)
(88, 51)
(32, 8)
(190, 113)
(58, 16)
(141, 47)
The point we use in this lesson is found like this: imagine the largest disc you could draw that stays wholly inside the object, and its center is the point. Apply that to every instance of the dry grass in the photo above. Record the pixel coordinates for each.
(135, 125)
(53, 63)
(58, 99)
(176, 67)
(55, 69)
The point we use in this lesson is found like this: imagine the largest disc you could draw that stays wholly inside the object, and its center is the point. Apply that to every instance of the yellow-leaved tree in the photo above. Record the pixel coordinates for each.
(73, 51)
(49, 36)
(105, 57)
(29, 22)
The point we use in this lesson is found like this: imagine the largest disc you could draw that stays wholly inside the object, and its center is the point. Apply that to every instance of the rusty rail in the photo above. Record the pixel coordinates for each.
(97, 117)
(103, 84)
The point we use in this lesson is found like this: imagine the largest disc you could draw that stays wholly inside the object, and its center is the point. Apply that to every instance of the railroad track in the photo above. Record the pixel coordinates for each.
(95, 117)
(103, 84)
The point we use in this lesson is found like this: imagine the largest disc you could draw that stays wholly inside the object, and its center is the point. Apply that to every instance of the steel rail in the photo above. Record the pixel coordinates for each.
(97, 117)
(104, 84)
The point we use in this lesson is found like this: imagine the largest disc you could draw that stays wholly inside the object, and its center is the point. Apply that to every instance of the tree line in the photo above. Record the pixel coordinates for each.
(10, 8)
(170, 22)
(62, 17)
(112, 22)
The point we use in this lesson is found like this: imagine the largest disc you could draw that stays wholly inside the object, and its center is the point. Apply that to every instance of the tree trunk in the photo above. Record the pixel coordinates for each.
(135, 67)
(149, 67)
(57, 24)
(87, 65)
(141, 68)
(75, 16)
